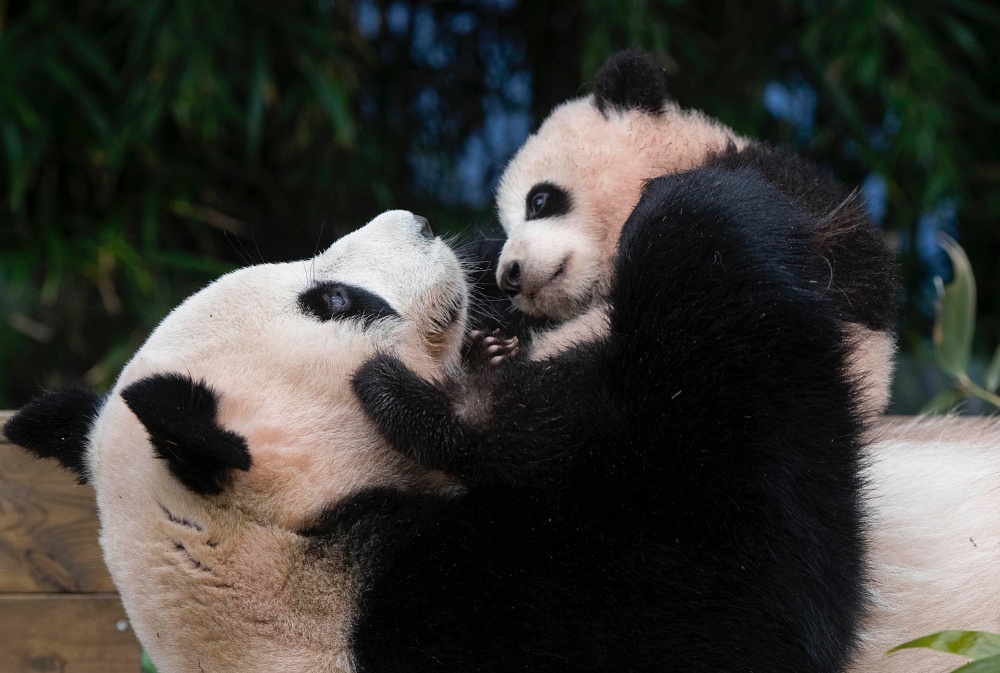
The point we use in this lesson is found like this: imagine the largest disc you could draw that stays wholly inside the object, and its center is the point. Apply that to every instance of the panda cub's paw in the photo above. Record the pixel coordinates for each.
(491, 348)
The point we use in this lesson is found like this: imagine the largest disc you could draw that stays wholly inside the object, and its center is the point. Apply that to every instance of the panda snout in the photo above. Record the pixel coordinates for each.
(424, 226)
(510, 278)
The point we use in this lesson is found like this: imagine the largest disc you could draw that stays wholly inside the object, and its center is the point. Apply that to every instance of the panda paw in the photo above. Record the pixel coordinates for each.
(492, 348)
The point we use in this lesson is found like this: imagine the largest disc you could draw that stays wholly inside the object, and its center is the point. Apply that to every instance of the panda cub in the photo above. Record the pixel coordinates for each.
(564, 196)
(282, 487)
(682, 491)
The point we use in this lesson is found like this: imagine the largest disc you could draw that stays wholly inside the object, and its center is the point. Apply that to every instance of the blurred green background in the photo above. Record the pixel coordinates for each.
(149, 145)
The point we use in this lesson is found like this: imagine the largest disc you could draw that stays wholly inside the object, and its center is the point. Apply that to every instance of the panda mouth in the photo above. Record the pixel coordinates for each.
(560, 271)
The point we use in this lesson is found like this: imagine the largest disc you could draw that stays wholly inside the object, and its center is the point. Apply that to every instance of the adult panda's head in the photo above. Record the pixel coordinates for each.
(234, 428)
(565, 196)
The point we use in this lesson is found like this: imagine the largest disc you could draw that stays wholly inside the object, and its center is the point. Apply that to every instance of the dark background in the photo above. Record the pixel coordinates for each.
(149, 145)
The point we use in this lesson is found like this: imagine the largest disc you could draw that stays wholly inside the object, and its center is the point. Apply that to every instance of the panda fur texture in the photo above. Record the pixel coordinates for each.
(682, 492)
(564, 196)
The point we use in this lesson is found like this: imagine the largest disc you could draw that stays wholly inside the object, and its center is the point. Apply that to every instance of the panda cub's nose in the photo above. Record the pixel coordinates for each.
(510, 278)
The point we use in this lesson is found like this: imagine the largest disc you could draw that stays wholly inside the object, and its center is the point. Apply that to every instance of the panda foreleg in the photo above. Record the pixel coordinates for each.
(415, 415)
(423, 419)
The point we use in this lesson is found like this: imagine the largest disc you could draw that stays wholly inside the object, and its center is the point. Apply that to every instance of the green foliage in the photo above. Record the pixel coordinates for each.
(147, 146)
(956, 316)
(953, 335)
(141, 140)
(980, 646)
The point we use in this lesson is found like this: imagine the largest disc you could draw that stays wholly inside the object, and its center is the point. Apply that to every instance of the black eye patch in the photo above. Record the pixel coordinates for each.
(546, 200)
(336, 301)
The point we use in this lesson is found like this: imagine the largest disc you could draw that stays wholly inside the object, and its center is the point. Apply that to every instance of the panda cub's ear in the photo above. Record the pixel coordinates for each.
(56, 425)
(631, 80)
(180, 416)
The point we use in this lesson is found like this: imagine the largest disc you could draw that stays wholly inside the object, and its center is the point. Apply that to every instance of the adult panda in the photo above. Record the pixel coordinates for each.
(682, 492)
(563, 198)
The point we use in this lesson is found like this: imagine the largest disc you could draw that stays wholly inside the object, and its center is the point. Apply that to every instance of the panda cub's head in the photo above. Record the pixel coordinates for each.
(565, 196)
(234, 428)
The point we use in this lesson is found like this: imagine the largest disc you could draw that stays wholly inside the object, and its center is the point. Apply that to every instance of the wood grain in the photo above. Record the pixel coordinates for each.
(65, 633)
(48, 528)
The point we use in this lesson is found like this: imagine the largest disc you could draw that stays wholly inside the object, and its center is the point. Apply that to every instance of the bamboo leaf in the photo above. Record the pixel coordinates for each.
(955, 323)
(333, 98)
(992, 377)
(974, 644)
(942, 403)
(987, 665)
(88, 53)
(256, 103)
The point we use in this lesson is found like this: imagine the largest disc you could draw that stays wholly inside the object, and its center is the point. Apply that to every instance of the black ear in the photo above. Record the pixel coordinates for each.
(179, 415)
(56, 425)
(631, 80)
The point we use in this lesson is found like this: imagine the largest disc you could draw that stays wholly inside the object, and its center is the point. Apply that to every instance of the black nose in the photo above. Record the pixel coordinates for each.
(425, 226)
(510, 279)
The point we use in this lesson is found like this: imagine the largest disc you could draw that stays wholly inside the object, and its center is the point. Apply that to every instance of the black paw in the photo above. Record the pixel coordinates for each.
(377, 381)
(492, 348)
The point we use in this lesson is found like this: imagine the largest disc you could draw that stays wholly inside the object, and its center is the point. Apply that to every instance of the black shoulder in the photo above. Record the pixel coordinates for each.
(860, 269)
(631, 80)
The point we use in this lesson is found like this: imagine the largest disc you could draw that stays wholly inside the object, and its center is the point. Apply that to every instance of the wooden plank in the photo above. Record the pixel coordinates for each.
(66, 634)
(48, 528)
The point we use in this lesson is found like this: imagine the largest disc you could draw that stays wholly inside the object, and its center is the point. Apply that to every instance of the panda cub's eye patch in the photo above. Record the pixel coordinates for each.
(547, 200)
(335, 301)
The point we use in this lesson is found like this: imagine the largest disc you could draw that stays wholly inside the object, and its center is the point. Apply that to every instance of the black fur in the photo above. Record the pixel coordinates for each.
(681, 496)
(180, 417)
(631, 80)
(546, 200)
(351, 302)
(56, 425)
(861, 276)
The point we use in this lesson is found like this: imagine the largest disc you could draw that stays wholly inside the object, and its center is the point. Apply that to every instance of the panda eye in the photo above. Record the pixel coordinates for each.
(538, 203)
(337, 301)
(547, 200)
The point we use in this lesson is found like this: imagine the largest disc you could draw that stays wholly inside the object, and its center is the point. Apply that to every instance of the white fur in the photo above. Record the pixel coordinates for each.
(241, 593)
(935, 543)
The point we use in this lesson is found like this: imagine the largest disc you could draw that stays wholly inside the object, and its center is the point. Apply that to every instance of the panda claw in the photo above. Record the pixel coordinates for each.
(493, 346)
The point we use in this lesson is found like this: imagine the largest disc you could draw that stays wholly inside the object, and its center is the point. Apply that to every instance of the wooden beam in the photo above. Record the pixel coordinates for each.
(48, 528)
(86, 633)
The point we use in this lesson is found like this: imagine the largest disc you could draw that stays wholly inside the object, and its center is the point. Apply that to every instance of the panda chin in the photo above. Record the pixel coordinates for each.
(560, 299)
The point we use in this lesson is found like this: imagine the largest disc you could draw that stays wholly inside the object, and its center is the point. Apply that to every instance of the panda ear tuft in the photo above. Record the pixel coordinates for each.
(56, 425)
(631, 80)
(180, 416)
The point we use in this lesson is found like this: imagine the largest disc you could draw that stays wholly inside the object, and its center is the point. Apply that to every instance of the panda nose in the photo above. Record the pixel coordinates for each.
(510, 279)
(425, 226)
